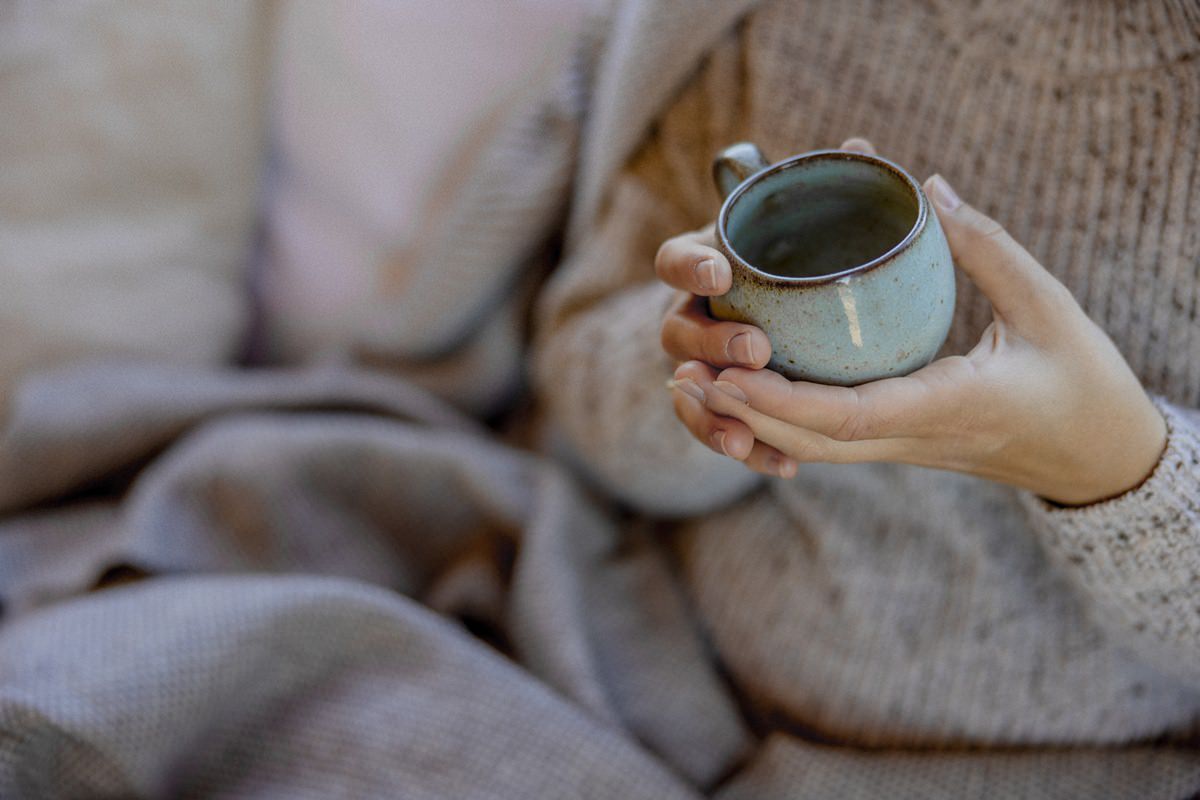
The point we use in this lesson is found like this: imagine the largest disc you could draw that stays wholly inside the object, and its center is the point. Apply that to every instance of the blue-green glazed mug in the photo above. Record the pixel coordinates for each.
(839, 258)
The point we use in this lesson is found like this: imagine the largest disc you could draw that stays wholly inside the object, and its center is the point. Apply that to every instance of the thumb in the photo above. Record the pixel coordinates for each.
(1019, 288)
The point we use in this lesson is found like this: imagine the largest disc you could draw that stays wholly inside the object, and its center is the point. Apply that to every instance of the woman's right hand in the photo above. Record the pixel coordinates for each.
(705, 346)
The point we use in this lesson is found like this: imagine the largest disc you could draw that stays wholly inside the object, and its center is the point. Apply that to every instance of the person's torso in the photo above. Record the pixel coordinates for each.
(879, 603)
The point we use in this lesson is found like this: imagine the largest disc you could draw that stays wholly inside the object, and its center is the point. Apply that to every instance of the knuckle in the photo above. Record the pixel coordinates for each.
(666, 334)
(848, 428)
(713, 345)
(686, 412)
(660, 258)
(990, 229)
(678, 406)
(665, 341)
(673, 338)
(848, 422)
(667, 257)
(854, 427)
(853, 419)
(986, 228)
(664, 249)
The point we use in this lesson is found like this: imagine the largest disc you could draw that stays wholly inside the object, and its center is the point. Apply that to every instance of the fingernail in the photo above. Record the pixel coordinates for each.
(732, 390)
(706, 274)
(718, 440)
(741, 349)
(783, 467)
(943, 195)
(689, 387)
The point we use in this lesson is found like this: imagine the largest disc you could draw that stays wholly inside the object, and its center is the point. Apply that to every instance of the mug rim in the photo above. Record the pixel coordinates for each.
(814, 155)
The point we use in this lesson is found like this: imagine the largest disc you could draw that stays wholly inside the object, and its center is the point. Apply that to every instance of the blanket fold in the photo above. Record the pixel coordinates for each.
(293, 525)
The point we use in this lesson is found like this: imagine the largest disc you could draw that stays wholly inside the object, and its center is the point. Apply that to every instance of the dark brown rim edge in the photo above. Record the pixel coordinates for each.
(788, 163)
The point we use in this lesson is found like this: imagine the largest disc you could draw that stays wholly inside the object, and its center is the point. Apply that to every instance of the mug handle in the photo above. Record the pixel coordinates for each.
(736, 163)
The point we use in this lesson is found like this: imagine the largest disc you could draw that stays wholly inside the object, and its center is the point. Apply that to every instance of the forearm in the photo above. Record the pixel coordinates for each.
(1136, 558)
(602, 375)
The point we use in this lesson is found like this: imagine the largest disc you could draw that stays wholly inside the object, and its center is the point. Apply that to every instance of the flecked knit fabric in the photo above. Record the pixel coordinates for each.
(891, 606)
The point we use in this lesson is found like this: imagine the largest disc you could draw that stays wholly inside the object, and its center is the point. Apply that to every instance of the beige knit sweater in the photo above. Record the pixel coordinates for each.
(882, 605)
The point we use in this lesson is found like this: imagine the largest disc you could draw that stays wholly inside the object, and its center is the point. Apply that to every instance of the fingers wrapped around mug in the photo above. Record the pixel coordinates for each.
(691, 263)
(689, 333)
(691, 388)
(812, 422)
(1022, 292)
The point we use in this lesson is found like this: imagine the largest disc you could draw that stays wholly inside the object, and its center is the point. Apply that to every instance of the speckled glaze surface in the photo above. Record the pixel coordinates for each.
(884, 317)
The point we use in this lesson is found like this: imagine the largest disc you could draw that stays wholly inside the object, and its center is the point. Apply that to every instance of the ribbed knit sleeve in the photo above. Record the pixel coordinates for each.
(601, 372)
(1136, 558)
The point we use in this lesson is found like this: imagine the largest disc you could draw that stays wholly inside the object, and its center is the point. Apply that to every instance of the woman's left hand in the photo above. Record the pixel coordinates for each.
(1044, 401)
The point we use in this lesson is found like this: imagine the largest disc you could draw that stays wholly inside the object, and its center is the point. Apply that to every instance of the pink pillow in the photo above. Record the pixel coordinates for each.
(372, 103)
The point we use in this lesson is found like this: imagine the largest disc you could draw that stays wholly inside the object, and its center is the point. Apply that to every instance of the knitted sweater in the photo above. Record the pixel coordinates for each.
(883, 605)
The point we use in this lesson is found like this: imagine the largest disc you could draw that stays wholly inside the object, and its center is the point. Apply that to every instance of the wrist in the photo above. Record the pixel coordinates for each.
(1131, 463)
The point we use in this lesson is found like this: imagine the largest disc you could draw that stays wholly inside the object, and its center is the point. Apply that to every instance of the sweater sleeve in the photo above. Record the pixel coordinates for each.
(601, 372)
(1136, 557)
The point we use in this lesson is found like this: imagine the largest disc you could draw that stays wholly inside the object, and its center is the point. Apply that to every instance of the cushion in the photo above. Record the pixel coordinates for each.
(129, 164)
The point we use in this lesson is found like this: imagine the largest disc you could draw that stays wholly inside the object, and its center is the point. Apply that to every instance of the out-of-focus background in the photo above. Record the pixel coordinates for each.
(206, 181)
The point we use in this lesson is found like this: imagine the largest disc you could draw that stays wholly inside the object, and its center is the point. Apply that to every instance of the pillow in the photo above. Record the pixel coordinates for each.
(129, 160)
(413, 144)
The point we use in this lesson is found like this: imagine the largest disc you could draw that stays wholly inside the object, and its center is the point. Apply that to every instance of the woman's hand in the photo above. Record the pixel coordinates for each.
(1044, 401)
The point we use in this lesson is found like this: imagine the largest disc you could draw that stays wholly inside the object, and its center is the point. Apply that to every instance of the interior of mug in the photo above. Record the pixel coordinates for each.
(822, 214)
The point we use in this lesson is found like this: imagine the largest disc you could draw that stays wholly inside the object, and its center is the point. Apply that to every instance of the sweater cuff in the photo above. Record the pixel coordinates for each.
(1156, 522)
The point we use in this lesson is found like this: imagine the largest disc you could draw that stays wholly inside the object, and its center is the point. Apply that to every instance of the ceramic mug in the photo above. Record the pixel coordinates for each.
(839, 258)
